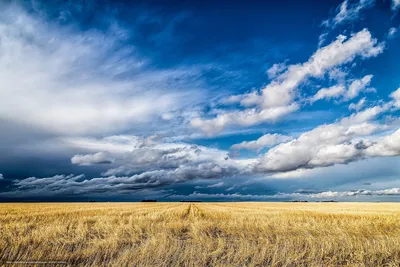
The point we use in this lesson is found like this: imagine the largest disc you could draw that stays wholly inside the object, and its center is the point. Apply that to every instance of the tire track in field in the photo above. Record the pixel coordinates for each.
(187, 212)
(192, 212)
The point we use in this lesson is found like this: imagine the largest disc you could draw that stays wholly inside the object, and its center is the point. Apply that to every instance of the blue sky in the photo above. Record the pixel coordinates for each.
(205, 100)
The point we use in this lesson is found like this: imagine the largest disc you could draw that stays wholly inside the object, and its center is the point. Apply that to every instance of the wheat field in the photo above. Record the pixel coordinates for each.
(200, 234)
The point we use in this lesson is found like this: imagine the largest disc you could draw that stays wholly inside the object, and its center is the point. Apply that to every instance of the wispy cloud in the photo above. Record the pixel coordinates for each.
(90, 159)
(395, 4)
(81, 82)
(392, 32)
(348, 12)
(357, 106)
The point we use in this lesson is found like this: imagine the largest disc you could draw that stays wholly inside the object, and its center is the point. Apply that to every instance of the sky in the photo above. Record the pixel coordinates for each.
(200, 100)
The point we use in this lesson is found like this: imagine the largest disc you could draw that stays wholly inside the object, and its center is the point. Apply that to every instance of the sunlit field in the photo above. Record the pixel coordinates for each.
(200, 234)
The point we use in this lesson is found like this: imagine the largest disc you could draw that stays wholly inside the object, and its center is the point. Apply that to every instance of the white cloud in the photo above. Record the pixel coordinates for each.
(275, 70)
(348, 12)
(298, 173)
(167, 116)
(338, 74)
(65, 82)
(365, 115)
(339, 91)
(335, 154)
(132, 155)
(90, 159)
(217, 185)
(355, 193)
(396, 97)
(277, 98)
(357, 86)
(112, 144)
(395, 4)
(388, 146)
(244, 118)
(392, 32)
(322, 38)
(323, 146)
(233, 99)
(357, 106)
(175, 165)
(329, 93)
(342, 51)
(170, 156)
(266, 140)
(1, 176)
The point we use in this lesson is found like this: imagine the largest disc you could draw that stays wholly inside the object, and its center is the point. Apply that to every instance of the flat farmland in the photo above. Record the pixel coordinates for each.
(200, 234)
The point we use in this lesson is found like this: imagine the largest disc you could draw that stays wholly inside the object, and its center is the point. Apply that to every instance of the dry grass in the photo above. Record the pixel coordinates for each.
(202, 234)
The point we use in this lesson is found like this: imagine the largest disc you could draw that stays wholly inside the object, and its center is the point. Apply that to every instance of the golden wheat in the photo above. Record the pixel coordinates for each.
(201, 234)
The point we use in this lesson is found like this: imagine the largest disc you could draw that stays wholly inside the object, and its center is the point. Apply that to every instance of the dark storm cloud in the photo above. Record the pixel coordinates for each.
(61, 185)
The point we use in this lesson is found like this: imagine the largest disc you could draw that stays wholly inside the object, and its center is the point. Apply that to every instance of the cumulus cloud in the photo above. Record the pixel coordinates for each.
(172, 156)
(179, 163)
(388, 146)
(348, 12)
(148, 162)
(266, 140)
(152, 158)
(1, 176)
(277, 98)
(164, 162)
(325, 145)
(329, 144)
(280, 91)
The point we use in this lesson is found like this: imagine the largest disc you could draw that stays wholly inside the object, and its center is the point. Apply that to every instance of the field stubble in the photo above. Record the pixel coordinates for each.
(201, 234)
